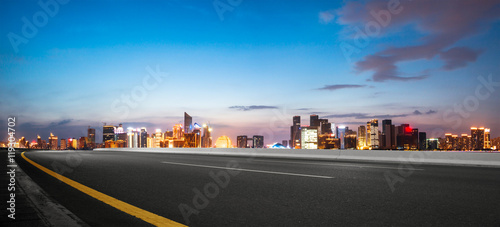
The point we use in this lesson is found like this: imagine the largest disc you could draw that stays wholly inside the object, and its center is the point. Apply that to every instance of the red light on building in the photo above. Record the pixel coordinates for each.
(408, 129)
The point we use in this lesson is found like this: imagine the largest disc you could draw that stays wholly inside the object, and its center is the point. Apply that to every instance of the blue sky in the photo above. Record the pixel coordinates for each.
(275, 55)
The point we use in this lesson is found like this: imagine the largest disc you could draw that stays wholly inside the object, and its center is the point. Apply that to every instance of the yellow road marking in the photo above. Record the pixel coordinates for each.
(118, 204)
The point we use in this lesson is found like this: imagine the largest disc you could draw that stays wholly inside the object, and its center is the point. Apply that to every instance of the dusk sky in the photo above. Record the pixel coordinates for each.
(248, 68)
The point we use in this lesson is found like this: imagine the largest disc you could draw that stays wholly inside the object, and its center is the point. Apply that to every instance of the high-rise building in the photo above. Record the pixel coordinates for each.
(188, 123)
(465, 142)
(314, 120)
(487, 139)
(178, 131)
(258, 141)
(477, 140)
(206, 140)
(361, 137)
(241, 141)
(53, 142)
(295, 133)
(422, 141)
(143, 139)
(91, 136)
(309, 137)
(63, 144)
(388, 135)
(350, 139)
(404, 137)
(158, 137)
(432, 144)
(328, 141)
(373, 132)
(324, 126)
(108, 133)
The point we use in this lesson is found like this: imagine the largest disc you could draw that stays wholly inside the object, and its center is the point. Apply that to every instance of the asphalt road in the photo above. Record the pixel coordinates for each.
(269, 192)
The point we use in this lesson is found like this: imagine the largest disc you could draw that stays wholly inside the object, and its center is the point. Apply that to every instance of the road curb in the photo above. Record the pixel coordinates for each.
(50, 211)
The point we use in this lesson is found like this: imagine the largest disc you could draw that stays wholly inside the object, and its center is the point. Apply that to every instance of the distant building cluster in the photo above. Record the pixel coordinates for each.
(320, 134)
(188, 135)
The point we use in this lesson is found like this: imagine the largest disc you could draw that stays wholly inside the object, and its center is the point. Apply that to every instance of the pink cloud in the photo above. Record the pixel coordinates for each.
(443, 23)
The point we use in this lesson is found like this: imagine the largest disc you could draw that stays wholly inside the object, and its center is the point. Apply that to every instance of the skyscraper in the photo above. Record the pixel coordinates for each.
(477, 140)
(314, 120)
(188, 123)
(91, 137)
(63, 144)
(361, 137)
(206, 140)
(309, 138)
(487, 141)
(143, 141)
(258, 141)
(374, 140)
(422, 141)
(295, 133)
(241, 141)
(388, 135)
(53, 142)
(108, 133)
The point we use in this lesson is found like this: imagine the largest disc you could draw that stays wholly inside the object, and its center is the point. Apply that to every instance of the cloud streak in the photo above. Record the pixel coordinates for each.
(340, 86)
(441, 30)
(369, 116)
(253, 107)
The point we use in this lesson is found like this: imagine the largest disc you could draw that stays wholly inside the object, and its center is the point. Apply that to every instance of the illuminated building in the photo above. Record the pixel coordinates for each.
(223, 142)
(422, 141)
(477, 138)
(404, 137)
(465, 142)
(258, 141)
(143, 139)
(241, 141)
(63, 144)
(374, 140)
(188, 121)
(82, 143)
(309, 138)
(91, 137)
(487, 141)
(324, 126)
(108, 133)
(295, 133)
(361, 137)
(432, 144)
(206, 140)
(132, 138)
(39, 142)
(75, 143)
(178, 131)
(350, 139)
(193, 139)
(53, 142)
(341, 130)
(23, 143)
(414, 139)
(328, 141)
(158, 137)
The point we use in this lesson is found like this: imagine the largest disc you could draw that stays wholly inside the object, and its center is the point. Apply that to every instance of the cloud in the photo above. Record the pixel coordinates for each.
(59, 123)
(380, 116)
(438, 24)
(253, 107)
(431, 112)
(340, 86)
(458, 57)
(304, 109)
(326, 17)
(416, 112)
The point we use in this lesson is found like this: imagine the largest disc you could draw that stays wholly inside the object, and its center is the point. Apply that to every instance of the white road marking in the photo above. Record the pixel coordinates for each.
(250, 170)
(325, 164)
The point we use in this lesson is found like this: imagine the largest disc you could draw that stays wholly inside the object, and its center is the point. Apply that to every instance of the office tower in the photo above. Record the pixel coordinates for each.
(328, 141)
(350, 139)
(258, 141)
(178, 131)
(82, 143)
(341, 134)
(53, 142)
(477, 140)
(241, 141)
(63, 144)
(404, 137)
(143, 141)
(158, 137)
(465, 142)
(314, 121)
(188, 123)
(108, 133)
(361, 137)
(91, 137)
(414, 139)
(487, 139)
(324, 127)
(295, 133)
(388, 135)
(309, 138)
(206, 140)
(372, 134)
(432, 144)
(422, 141)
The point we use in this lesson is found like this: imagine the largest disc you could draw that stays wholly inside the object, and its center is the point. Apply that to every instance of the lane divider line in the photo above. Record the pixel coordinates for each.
(250, 170)
(146, 216)
(326, 164)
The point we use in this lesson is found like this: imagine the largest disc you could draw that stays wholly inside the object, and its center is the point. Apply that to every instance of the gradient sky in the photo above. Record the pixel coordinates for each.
(247, 69)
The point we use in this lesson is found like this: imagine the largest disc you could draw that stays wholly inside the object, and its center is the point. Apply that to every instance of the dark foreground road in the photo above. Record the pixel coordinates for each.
(201, 191)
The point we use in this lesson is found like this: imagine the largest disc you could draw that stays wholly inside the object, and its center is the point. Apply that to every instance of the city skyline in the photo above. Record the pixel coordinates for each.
(247, 70)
